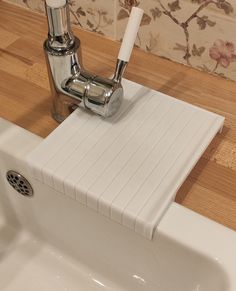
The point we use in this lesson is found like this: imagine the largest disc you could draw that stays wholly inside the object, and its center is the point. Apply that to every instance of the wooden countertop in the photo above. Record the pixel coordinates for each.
(25, 100)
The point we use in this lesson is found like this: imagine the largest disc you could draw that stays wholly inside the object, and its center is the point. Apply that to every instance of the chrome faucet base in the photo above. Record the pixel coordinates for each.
(62, 107)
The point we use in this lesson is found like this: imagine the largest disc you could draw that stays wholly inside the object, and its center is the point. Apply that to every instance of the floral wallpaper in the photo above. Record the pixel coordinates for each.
(198, 33)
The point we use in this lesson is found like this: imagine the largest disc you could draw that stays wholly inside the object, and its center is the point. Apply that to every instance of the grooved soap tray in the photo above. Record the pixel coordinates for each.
(128, 167)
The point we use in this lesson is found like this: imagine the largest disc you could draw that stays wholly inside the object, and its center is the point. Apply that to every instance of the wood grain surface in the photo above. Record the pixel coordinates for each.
(25, 100)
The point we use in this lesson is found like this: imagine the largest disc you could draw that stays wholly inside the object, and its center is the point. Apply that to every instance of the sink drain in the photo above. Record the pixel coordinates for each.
(19, 183)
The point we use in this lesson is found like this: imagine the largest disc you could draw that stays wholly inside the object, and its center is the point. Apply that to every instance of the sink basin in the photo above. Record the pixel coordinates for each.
(50, 242)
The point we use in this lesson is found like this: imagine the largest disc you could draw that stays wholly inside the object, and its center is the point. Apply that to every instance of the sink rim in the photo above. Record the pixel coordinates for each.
(216, 234)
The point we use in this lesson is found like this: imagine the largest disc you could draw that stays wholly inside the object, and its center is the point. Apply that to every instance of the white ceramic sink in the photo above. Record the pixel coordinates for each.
(50, 242)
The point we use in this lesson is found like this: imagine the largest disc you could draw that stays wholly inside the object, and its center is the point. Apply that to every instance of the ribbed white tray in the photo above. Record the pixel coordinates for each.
(128, 167)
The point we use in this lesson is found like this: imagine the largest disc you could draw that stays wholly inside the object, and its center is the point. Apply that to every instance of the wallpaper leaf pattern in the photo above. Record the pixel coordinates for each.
(198, 33)
(126, 8)
(203, 23)
(96, 19)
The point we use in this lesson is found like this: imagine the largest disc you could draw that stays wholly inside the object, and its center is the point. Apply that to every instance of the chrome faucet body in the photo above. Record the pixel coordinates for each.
(71, 85)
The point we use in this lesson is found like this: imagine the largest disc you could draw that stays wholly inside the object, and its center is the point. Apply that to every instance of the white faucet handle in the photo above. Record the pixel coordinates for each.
(130, 34)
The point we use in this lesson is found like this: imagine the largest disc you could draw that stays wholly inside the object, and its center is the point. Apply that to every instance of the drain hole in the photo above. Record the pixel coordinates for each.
(19, 183)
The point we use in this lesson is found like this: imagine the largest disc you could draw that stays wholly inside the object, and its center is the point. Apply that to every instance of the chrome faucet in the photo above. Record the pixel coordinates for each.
(73, 86)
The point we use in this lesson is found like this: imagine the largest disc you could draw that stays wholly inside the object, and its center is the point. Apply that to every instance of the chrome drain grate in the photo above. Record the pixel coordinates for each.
(19, 183)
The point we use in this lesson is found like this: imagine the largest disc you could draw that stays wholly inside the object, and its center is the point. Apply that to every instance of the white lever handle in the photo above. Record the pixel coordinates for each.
(56, 3)
(130, 34)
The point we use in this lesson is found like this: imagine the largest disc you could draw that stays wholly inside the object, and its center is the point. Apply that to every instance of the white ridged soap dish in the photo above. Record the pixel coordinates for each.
(128, 167)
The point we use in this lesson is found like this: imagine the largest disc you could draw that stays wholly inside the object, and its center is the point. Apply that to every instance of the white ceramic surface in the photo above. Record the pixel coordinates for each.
(128, 167)
(50, 243)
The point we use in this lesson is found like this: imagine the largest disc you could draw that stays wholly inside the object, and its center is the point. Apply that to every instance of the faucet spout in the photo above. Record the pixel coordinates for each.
(63, 58)
(60, 35)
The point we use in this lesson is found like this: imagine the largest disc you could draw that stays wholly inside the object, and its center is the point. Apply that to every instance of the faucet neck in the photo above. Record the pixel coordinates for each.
(60, 36)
